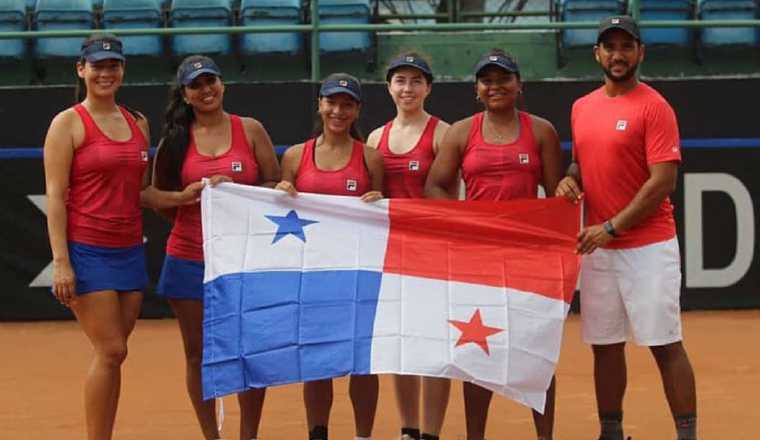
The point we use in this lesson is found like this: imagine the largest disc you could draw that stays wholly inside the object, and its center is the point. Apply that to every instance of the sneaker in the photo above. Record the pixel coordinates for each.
(410, 434)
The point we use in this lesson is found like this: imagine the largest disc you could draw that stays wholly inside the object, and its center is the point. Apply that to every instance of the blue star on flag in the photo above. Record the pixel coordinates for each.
(290, 224)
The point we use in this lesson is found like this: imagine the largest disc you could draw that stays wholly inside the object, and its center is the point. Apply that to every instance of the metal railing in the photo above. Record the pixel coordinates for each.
(457, 14)
(315, 28)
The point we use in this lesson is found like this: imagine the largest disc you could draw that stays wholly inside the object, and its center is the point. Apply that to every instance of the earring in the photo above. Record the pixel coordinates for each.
(477, 98)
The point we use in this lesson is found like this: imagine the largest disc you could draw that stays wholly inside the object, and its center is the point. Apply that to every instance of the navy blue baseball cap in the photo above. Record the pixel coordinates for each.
(341, 83)
(194, 66)
(499, 60)
(623, 22)
(102, 49)
(409, 61)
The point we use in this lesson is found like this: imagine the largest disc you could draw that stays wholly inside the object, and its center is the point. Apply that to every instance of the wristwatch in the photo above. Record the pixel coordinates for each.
(610, 229)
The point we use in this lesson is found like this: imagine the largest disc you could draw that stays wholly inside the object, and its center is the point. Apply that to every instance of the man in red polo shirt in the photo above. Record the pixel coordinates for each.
(626, 151)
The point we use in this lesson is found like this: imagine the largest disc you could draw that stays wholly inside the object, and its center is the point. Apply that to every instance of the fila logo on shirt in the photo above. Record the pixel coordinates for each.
(143, 155)
(414, 165)
(524, 158)
(351, 185)
(621, 125)
(237, 167)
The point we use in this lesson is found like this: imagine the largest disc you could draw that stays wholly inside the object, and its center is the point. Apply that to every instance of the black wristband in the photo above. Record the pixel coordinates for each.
(610, 229)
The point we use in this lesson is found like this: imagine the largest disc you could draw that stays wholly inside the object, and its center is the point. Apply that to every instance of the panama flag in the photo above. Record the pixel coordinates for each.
(315, 286)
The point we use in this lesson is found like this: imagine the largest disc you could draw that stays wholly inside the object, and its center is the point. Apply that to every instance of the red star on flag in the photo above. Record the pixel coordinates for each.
(474, 331)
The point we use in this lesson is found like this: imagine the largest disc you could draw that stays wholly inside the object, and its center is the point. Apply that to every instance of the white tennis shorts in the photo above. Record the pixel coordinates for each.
(632, 292)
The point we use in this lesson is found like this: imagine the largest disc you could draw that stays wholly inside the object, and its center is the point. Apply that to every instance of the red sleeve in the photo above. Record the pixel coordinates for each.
(663, 143)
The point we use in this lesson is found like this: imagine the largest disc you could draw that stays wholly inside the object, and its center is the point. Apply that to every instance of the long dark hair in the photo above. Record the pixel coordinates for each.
(175, 138)
(80, 90)
(175, 133)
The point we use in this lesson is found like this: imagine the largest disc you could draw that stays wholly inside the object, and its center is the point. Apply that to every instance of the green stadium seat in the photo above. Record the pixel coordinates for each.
(653, 10)
(201, 13)
(585, 10)
(344, 12)
(12, 19)
(271, 12)
(60, 15)
(131, 14)
(729, 10)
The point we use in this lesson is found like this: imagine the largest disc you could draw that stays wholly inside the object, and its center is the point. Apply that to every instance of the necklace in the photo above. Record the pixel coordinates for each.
(500, 138)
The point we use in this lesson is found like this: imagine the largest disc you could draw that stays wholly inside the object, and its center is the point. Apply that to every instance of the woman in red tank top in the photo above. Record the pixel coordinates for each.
(503, 154)
(201, 140)
(336, 162)
(95, 155)
(409, 144)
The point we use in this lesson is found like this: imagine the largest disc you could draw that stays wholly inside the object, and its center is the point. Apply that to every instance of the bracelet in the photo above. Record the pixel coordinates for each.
(610, 229)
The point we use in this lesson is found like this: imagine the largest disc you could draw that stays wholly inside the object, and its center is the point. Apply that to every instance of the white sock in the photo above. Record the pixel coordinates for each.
(362, 438)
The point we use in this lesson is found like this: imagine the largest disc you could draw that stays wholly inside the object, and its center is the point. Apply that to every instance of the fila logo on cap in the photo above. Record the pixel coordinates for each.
(621, 125)
(414, 165)
(106, 45)
(615, 21)
(524, 158)
(237, 167)
(343, 83)
(351, 185)
(409, 59)
(493, 58)
(197, 65)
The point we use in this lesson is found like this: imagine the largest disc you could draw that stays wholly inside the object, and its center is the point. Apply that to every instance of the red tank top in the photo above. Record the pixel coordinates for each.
(502, 172)
(351, 180)
(103, 203)
(405, 174)
(238, 163)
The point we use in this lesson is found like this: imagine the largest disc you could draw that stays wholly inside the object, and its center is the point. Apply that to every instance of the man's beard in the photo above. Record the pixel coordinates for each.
(630, 73)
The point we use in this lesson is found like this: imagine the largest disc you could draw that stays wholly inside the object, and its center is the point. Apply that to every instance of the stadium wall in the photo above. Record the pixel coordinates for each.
(715, 201)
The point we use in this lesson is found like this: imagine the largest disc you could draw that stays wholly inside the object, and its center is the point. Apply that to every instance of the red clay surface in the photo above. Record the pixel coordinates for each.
(43, 365)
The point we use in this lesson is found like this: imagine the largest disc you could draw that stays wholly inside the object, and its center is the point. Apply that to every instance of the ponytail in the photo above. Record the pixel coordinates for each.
(80, 90)
(175, 139)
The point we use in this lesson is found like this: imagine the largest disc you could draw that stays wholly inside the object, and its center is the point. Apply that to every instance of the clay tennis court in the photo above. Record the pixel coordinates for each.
(43, 365)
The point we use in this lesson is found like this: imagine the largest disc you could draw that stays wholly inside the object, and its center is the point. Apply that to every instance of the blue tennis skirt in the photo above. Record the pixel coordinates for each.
(181, 279)
(101, 268)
